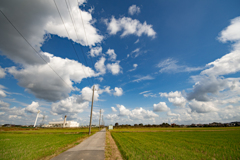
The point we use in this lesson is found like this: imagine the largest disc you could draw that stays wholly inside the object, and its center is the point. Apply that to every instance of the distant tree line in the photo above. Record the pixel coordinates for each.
(214, 124)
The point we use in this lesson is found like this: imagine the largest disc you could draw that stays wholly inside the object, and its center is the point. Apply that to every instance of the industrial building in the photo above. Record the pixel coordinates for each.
(61, 124)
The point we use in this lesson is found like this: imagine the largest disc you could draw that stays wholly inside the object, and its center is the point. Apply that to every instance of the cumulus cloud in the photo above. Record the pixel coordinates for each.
(136, 114)
(133, 9)
(32, 108)
(169, 113)
(2, 72)
(100, 66)
(202, 107)
(118, 91)
(112, 54)
(2, 91)
(114, 68)
(35, 23)
(143, 78)
(41, 81)
(12, 111)
(129, 26)
(211, 80)
(232, 32)
(4, 104)
(114, 109)
(160, 107)
(96, 51)
(134, 68)
(74, 104)
(207, 85)
(123, 111)
(170, 66)
(175, 97)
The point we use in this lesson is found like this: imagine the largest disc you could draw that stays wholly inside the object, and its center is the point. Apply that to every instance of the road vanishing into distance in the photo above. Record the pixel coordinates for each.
(90, 149)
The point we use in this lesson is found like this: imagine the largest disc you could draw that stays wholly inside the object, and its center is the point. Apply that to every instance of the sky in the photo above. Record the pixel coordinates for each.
(150, 62)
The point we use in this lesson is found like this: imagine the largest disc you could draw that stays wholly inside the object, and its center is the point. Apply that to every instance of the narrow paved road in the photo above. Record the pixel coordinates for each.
(90, 149)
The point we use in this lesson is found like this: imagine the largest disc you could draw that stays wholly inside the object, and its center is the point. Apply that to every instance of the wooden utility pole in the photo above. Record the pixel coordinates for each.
(99, 119)
(90, 125)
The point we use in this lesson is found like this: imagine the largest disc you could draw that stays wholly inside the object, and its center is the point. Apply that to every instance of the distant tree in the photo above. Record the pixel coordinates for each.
(116, 124)
(140, 124)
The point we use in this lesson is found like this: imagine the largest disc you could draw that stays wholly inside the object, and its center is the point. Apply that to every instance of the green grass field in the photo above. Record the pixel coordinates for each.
(184, 144)
(16, 143)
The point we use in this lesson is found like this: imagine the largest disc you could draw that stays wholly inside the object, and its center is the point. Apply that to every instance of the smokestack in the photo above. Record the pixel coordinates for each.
(64, 121)
(36, 118)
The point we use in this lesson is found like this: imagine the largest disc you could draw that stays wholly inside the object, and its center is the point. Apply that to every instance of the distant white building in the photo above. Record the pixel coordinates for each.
(60, 124)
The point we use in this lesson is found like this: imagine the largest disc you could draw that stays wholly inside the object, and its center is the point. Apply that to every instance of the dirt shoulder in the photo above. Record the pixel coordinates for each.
(111, 149)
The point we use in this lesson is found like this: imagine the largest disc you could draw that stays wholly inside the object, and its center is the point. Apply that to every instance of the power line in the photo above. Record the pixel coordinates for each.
(34, 48)
(73, 22)
(84, 30)
(69, 37)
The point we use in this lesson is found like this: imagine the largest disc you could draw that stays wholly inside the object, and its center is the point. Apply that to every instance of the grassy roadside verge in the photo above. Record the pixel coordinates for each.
(111, 149)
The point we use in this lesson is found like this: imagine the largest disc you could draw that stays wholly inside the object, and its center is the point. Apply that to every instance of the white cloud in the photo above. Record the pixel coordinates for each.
(202, 107)
(2, 72)
(144, 92)
(32, 108)
(232, 32)
(112, 116)
(100, 66)
(129, 26)
(133, 9)
(160, 107)
(12, 111)
(136, 41)
(114, 109)
(4, 104)
(96, 51)
(123, 111)
(114, 68)
(118, 91)
(143, 78)
(136, 114)
(41, 81)
(171, 94)
(228, 64)
(73, 104)
(169, 113)
(140, 113)
(134, 68)
(170, 66)
(136, 52)
(35, 23)
(112, 54)
(2, 91)
(175, 97)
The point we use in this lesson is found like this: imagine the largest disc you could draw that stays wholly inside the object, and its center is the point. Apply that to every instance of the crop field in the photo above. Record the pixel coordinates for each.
(18, 143)
(173, 144)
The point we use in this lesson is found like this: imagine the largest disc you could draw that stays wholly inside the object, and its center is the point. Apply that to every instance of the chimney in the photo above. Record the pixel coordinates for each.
(64, 121)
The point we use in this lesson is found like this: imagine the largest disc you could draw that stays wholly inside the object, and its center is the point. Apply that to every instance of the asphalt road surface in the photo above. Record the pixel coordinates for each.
(90, 149)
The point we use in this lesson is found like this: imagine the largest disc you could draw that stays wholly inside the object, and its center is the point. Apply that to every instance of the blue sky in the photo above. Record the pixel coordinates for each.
(151, 62)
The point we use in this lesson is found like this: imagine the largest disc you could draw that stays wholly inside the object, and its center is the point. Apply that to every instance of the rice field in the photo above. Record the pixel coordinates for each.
(173, 144)
(17, 143)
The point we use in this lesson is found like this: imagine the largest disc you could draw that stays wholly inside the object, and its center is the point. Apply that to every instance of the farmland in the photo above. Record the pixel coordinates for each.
(173, 143)
(19, 143)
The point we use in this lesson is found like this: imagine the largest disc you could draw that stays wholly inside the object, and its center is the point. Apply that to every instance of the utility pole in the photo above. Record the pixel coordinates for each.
(99, 119)
(91, 112)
